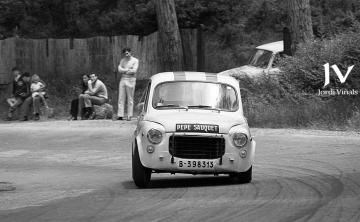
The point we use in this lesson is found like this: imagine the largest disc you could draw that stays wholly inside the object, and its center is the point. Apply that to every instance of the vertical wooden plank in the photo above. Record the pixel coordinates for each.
(55, 58)
(7, 60)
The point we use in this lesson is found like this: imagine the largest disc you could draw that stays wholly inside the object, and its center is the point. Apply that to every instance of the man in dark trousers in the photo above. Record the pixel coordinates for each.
(20, 91)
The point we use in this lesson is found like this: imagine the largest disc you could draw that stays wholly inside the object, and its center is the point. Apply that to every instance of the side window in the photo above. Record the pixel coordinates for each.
(275, 62)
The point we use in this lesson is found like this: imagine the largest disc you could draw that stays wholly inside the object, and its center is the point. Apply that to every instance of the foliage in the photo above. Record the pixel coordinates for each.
(292, 99)
(231, 20)
(305, 70)
(230, 26)
(335, 16)
(268, 102)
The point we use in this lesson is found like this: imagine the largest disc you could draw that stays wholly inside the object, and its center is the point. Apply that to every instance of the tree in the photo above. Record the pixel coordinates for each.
(170, 45)
(300, 24)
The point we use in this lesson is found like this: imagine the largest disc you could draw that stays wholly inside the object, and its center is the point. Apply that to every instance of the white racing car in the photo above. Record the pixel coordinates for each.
(192, 122)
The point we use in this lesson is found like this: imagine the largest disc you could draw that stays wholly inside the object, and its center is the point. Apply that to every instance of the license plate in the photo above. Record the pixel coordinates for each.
(196, 164)
(197, 128)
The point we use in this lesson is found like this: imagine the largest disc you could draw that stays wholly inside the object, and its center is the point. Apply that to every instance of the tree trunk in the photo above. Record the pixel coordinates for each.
(300, 23)
(170, 47)
(200, 49)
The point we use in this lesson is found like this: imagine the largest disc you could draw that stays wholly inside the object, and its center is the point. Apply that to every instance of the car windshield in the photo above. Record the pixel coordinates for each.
(195, 95)
(260, 58)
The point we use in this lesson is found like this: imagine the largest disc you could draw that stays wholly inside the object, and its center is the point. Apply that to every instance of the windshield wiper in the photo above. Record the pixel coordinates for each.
(199, 106)
(171, 106)
(204, 107)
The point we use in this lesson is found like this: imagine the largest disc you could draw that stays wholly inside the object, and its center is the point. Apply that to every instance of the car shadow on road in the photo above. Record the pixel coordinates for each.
(183, 182)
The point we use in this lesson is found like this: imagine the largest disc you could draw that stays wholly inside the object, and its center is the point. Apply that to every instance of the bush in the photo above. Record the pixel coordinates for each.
(292, 99)
(268, 102)
(306, 72)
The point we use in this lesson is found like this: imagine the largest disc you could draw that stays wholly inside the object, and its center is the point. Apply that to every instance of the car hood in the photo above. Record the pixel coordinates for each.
(250, 71)
(169, 118)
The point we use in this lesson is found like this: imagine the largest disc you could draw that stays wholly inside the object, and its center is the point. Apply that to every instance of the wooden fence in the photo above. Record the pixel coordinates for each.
(74, 57)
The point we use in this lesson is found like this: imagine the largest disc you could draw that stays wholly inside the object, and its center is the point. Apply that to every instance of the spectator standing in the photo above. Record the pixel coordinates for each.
(20, 91)
(128, 67)
(74, 108)
(95, 95)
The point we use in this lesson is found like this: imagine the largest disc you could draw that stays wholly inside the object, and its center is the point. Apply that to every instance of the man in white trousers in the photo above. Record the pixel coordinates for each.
(127, 68)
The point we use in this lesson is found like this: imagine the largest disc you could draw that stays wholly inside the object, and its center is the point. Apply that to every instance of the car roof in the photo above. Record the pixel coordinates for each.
(193, 76)
(273, 46)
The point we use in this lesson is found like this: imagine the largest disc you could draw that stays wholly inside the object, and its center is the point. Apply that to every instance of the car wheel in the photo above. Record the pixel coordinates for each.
(141, 175)
(243, 177)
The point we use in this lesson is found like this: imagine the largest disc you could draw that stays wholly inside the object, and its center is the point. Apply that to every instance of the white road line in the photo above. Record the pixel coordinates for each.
(13, 153)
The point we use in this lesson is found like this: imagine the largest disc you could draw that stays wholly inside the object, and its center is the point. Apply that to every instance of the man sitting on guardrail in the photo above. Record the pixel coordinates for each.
(20, 91)
(95, 95)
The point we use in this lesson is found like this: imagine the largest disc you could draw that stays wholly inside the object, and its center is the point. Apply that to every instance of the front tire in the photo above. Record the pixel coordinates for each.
(243, 177)
(141, 175)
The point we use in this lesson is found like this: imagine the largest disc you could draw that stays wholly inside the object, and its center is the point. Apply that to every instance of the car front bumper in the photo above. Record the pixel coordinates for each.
(162, 161)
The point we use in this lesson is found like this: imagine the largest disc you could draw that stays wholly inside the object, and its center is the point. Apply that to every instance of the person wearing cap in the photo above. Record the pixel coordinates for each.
(20, 91)
(96, 94)
(128, 67)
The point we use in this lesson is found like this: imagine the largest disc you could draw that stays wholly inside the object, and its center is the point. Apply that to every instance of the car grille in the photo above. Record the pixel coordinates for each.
(195, 147)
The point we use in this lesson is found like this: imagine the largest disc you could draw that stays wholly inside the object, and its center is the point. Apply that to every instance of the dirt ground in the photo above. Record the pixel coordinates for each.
(81, 171)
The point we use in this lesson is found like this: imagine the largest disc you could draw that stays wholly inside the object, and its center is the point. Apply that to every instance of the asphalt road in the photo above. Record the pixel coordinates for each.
(81, 171)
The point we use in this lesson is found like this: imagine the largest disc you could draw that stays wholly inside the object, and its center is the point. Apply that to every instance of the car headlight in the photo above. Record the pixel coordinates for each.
(239, 139)
(154, 136)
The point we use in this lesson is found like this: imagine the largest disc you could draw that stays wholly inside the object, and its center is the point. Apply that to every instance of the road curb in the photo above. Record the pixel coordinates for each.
(6, 186)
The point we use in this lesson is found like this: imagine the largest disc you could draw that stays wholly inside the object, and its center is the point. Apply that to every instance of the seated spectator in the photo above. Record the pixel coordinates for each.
(20, 91)
(95, 95)
(75, 102)
(33, 102)
(37, 89)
